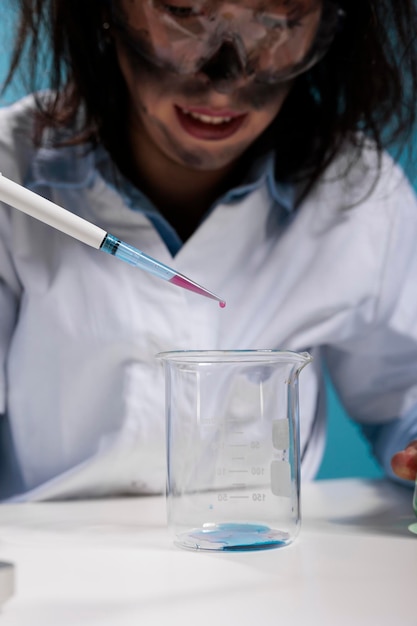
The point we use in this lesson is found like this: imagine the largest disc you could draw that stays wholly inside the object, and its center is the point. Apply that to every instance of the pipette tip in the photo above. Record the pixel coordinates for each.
(182, 281)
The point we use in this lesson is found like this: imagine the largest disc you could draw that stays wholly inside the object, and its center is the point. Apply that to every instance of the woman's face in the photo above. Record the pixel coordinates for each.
(202, 117)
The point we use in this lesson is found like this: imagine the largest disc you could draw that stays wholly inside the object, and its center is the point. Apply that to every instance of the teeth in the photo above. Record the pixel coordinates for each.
(207, 119)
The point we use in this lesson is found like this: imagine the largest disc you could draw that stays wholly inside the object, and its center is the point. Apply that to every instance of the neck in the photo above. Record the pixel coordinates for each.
(181, 194)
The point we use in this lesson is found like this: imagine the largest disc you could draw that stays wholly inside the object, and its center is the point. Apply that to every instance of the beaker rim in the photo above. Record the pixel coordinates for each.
(232, 356)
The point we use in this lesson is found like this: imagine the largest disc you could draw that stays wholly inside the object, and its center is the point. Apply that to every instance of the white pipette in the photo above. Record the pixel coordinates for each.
(56, 216)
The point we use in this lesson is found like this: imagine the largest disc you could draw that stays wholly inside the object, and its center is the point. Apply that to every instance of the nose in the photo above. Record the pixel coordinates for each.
(224, 68)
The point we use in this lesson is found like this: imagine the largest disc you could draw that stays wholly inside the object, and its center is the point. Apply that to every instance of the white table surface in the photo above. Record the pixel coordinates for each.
(112, 562)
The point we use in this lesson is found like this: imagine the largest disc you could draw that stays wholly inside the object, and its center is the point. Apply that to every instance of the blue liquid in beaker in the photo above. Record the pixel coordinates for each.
(234, 537)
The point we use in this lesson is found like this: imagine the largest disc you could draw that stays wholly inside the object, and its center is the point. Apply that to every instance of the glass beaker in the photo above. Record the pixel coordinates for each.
(413, 527)
(233, 472)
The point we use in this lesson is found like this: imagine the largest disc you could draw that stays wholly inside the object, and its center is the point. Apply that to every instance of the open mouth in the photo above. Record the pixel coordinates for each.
(209, 125)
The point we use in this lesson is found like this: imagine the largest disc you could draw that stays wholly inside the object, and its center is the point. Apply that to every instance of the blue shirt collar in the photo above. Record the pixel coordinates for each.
(263, 170)
(75, 167)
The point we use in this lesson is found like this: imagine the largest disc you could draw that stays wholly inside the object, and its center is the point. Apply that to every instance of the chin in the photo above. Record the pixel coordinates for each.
(201, 159)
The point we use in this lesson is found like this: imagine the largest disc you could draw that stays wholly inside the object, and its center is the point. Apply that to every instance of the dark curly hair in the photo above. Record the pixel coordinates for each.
(367, 82)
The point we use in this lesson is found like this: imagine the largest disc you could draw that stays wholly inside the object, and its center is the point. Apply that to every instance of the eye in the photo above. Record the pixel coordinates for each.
(278, 23)
(294, 23)
(180, 12)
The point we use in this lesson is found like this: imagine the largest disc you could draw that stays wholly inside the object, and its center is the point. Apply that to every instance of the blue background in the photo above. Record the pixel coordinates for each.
(347, 453)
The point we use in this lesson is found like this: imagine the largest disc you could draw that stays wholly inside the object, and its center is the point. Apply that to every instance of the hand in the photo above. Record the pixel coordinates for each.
(404, 463)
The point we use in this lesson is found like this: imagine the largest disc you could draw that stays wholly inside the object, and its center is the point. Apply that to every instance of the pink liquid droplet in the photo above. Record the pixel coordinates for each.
(222, 304)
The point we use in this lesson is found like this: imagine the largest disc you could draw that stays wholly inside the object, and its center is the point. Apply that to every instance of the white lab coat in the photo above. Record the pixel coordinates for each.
(80, 390)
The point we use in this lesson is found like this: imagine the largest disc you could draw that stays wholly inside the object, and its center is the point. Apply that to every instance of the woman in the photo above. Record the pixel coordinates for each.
(241, 143)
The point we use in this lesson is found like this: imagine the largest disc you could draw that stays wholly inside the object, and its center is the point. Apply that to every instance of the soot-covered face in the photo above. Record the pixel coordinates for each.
(206, 78)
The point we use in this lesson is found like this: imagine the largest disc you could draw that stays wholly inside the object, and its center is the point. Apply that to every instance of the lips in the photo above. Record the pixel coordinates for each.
(207, 124)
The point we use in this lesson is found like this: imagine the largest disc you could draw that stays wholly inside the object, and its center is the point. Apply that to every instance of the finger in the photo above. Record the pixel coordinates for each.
(404, 463)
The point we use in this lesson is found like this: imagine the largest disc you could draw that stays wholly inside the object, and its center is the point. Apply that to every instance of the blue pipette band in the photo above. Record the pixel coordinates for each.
(123, 251)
